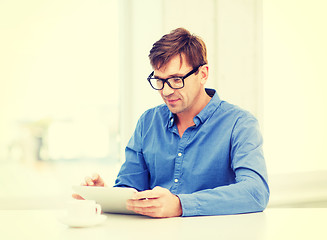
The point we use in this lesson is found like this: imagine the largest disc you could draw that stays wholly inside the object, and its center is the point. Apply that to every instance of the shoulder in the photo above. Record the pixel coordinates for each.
(245, 126)
(156, 114)
(226, 110)
(235, 111)
(236, 118)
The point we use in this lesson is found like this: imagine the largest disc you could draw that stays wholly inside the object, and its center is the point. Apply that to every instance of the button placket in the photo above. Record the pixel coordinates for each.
(179, 159)
(180, 156)
(178, 166)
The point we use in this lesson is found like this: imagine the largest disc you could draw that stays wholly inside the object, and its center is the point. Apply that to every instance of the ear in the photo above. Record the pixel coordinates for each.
(204, 74)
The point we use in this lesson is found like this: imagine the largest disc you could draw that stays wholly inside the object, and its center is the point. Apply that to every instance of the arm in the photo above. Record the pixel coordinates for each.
(245, 196)
(134, 172)
(250, 192)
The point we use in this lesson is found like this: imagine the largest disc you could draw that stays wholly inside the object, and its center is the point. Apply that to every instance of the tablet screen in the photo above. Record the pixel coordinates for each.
(111, 199)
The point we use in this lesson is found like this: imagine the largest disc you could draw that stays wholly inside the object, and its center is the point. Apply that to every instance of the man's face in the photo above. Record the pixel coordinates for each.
(179, 100)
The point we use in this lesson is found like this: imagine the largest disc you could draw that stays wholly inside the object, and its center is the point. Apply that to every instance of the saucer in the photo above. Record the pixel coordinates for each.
(82, 222)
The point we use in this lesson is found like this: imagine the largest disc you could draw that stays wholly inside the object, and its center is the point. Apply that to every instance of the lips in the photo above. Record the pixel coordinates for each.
(172, 101)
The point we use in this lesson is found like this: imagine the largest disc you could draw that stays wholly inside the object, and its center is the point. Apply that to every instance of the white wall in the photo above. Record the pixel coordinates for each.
(239, 53)
(295, 76)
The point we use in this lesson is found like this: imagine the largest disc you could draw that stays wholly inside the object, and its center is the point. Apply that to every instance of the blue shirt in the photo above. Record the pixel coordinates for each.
(216, 167)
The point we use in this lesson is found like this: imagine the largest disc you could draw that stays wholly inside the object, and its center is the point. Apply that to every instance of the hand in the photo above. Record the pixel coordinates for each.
(95, 181)
(158, 202)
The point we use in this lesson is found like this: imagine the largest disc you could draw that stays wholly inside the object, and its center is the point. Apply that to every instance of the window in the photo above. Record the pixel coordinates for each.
(60, 82)
(59, 90)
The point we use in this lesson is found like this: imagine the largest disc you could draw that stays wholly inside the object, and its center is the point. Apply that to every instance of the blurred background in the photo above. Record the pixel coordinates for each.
(73, 84)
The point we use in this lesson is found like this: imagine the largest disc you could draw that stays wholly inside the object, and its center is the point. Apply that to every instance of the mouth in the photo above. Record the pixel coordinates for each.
(172, 101)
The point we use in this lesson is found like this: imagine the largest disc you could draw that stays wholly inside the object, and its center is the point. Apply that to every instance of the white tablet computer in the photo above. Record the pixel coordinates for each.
(111, 199)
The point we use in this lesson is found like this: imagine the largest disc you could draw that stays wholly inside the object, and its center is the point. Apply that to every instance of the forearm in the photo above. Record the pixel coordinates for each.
(138, 180)
(245, 196)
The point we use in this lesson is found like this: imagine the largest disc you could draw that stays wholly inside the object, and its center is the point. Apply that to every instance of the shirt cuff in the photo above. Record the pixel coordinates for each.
(190, 205)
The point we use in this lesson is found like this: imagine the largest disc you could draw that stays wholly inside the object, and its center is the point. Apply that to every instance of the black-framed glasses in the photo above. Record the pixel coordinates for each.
(173, 82)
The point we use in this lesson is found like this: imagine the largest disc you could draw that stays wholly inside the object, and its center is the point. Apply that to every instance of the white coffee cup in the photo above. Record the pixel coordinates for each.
(83, 209)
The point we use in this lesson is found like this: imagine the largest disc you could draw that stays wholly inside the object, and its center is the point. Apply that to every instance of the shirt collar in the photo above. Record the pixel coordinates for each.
(171, 119)
(209, 108)
(206, 111)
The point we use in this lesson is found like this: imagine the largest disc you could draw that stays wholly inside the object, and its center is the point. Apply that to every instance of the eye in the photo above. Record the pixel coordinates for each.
(158, 82)
(176, 80)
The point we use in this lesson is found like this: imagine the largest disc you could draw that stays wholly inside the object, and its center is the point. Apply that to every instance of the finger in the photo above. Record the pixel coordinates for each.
(76, 196)
(146, 203)
(146, 194)
(143, 211)
(97, 180)
(89, 181)
(95, 177)
(151, 212)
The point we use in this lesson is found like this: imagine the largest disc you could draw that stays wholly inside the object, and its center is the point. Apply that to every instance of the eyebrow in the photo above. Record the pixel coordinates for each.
(170, 76)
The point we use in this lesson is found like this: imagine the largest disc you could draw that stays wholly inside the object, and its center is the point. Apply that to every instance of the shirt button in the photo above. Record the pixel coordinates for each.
(176, 180)
(179, 154)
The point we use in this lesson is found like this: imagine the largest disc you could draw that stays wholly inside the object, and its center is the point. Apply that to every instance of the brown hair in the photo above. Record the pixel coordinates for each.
(178, 42)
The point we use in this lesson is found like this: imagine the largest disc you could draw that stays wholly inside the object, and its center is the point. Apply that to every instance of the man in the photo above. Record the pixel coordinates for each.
(195, 154)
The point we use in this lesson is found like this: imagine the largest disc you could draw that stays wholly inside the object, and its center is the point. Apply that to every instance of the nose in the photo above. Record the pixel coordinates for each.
(167, 90)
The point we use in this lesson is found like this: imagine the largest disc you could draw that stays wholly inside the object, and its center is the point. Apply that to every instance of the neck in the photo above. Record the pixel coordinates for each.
(185, 118)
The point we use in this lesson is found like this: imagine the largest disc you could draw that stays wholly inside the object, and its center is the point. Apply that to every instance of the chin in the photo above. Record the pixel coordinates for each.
(174, 110)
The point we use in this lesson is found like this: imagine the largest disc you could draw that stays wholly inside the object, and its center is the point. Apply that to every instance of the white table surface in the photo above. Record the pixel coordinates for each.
(273, 223)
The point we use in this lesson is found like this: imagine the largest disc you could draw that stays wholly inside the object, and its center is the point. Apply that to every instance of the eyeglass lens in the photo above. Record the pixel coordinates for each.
(172, 82)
